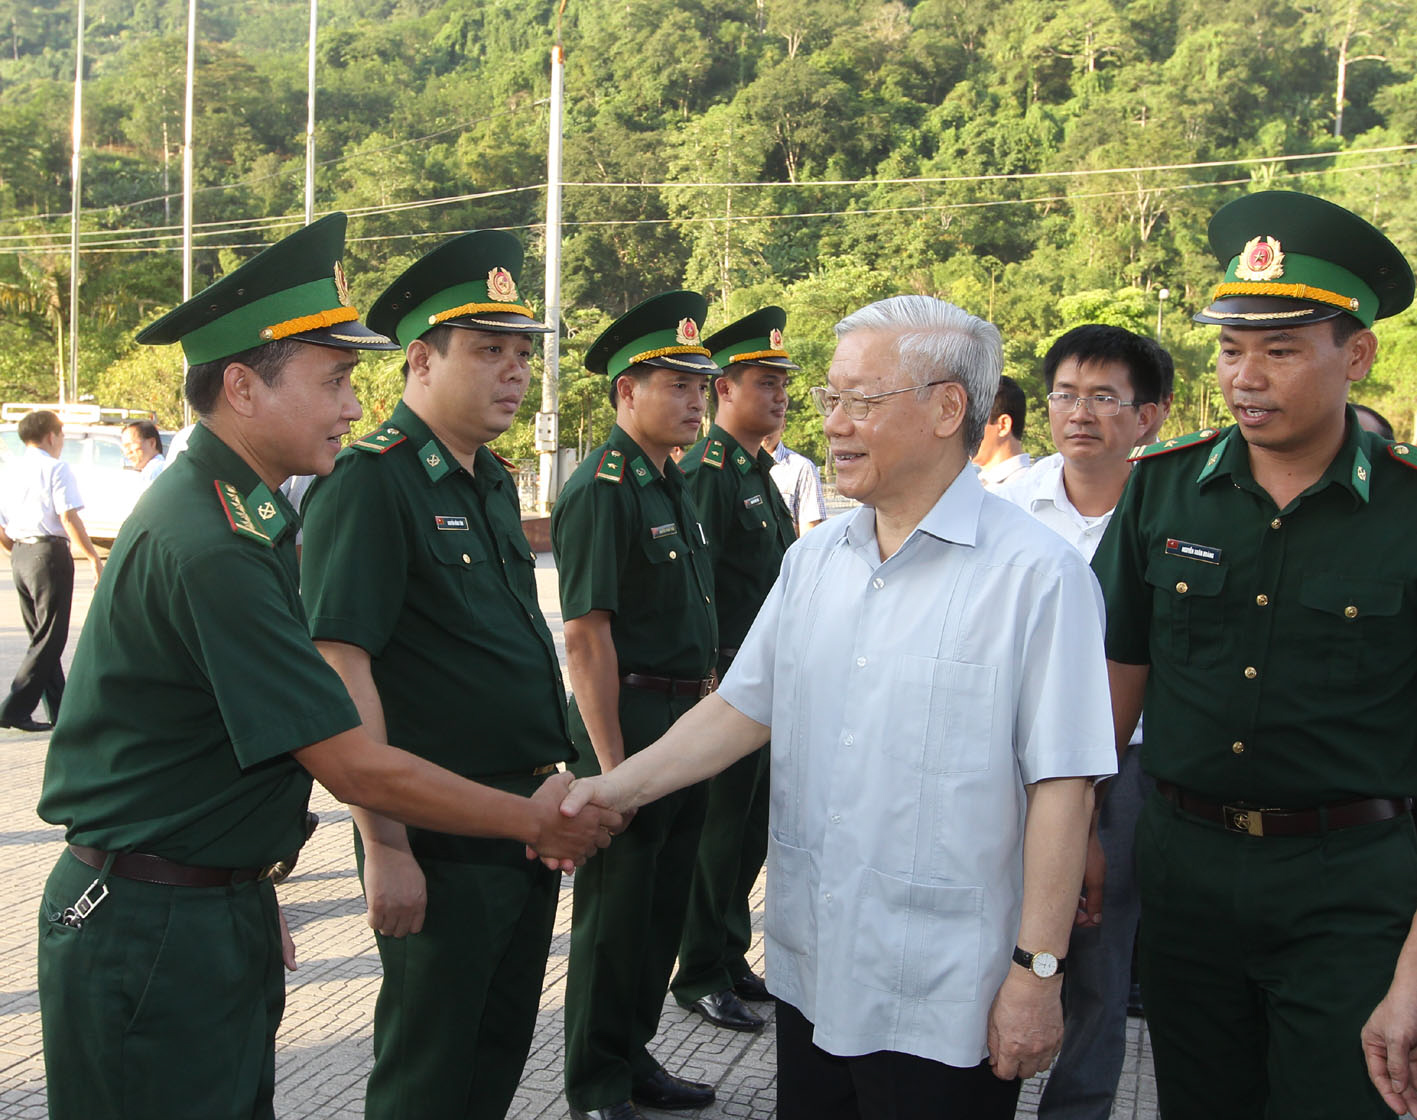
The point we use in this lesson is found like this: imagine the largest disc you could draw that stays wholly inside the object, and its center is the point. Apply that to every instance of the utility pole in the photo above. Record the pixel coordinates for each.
(548, 420)
(76, 192)
(310, 122)
(187, 182)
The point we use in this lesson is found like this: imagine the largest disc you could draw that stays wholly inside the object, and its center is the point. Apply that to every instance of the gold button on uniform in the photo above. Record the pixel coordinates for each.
(1276, 523)
(466, 559)
(1350, 611)
(1261, 600)
(1237, 747)
(673, 555)
(1251, 672)
(1182, 586)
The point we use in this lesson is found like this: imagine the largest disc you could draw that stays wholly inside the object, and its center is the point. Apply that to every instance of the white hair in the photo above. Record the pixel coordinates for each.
(936, 340)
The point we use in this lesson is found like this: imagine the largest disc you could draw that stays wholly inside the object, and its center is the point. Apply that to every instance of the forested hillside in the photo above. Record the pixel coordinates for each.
(1040, 162)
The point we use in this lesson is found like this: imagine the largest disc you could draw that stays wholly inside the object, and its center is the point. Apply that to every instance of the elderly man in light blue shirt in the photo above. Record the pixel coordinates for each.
(931, 668)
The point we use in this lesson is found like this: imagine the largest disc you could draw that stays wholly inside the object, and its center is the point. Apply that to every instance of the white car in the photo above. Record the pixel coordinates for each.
(92, 446)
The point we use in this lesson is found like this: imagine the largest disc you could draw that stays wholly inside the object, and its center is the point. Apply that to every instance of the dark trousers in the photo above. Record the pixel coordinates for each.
(886, 1085)
(718, 927)
(165, 1003)
(457, 1006)
(1261, 957)
(44, 578)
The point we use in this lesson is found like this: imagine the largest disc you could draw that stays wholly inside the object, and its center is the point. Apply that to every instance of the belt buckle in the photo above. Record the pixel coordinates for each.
(1250, 821)
(705, 687)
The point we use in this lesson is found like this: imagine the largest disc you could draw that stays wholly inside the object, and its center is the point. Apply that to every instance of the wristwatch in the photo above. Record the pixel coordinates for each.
(1042, 965)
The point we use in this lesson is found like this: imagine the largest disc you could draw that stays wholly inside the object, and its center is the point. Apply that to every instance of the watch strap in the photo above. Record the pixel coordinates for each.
(1021, 957)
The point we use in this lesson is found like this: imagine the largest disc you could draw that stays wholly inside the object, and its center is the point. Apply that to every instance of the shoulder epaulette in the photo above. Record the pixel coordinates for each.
(380, 440)
(1177, 443)
(238, 516)
(713, 454)
(611, 467)
(1404, 453)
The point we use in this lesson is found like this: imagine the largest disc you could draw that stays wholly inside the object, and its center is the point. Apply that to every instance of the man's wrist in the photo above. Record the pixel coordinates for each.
(1042, 964)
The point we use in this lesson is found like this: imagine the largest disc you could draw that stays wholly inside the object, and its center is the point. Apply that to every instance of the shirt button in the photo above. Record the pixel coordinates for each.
(836, 818)
(828, 896)
(1261, 600)
(849, 739)
(1182, 586)
(861, 663)
(673, 555)
(1237, 747)
(1350, 611)
(707, 599)
(1276, 523)
(764, 524)
(878, 583)
(1251, 672)
(466, 559)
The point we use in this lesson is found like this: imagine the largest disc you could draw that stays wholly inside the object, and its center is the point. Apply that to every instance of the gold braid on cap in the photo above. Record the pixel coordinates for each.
(309, 323)
(754, 355)
(1291, 291)
(665, 351)
(473, 308)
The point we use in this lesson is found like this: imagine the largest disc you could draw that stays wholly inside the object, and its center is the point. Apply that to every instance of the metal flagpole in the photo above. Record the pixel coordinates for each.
(310, 123)
(187, 181)
(548, 419)
(76, 193)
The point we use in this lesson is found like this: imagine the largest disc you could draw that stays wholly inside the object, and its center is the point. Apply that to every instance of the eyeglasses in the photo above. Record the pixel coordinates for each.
(855, 403)
(1098, 406)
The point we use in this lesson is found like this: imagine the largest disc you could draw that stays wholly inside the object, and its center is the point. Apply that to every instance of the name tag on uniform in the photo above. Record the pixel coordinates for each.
(1209, 554)
(657, 531)
(755, 500)
(446, 523)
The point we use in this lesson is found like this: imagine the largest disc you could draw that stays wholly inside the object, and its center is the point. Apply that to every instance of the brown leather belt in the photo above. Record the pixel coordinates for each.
(1286, 822)
(675, 687)
(164, 872)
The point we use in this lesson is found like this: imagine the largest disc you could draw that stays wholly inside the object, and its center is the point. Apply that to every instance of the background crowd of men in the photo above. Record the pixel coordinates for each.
(964, 823)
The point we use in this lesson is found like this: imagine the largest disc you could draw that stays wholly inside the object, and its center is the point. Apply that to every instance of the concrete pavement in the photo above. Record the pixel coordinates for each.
(324, 1047)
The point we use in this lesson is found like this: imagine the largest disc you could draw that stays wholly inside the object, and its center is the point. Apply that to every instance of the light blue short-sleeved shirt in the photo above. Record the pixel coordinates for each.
(911, 700)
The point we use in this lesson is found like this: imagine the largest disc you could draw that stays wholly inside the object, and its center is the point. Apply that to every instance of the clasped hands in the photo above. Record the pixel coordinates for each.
(571, 823)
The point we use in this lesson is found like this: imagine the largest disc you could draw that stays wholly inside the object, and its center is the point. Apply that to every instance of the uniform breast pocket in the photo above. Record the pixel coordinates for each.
(459, 559)
(754, 519)
(1360, 622)
(1188, 616)
(667, 548)
(942, 714)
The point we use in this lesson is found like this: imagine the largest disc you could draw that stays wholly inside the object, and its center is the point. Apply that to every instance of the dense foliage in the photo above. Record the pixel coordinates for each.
(1040, 162)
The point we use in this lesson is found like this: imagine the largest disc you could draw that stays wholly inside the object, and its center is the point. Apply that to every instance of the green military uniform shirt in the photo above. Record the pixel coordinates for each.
(426, 567)
(1282, 643)
(748, 525)
(628, 540)
(195, 678)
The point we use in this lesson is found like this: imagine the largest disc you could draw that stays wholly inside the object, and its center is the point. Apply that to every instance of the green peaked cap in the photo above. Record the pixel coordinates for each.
(1293, 259)
(661, 331)
(755, 338)
(470, 281)
(293, 289)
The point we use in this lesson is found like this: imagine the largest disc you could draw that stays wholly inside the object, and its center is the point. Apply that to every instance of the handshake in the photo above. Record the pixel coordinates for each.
(572, 818)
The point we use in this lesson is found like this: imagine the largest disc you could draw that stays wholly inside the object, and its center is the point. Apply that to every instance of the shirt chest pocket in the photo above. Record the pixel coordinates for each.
(1356, 622)
(1188, 614)
(459, 560)
(941, 714)
(755, 518)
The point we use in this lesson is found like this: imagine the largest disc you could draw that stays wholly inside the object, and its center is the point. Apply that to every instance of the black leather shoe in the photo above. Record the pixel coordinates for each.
(27, 724)
(751, 987)
(724, 1009)
(625, 1110)
(664, 1091)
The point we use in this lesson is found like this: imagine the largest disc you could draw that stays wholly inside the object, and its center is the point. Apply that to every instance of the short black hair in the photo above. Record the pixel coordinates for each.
(439, 337)
(1385, 428)
(1345, 326)
(1010, 401)
(204, 380)
(146, 430)
(641, 373)
(1168, 370)
(35, 426)
(1098, 342)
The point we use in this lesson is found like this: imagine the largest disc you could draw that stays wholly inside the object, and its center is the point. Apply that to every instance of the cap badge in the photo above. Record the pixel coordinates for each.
(775, 339)
(500, 285)
(1260, 259)
(688, 333)
(342, 286)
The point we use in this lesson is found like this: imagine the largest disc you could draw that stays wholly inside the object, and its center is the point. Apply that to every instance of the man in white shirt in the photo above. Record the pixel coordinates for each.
(932, 671)
(1106, 388)
(39, 517)
(142, 447)
(1001, 455)
(799, 482)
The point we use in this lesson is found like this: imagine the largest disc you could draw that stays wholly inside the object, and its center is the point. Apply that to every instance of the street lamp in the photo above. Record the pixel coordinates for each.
(1161, 297)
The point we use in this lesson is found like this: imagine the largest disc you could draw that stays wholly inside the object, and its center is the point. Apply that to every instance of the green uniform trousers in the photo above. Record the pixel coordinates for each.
(165, 1003)
(457, 1007)
(1261, 958)
(627, 917)
(718, 927)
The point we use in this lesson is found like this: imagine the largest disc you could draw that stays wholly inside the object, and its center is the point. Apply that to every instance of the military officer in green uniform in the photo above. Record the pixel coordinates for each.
(1261, 587)
(421, 593)
(198, 710)
(641, 640)
(749, 529)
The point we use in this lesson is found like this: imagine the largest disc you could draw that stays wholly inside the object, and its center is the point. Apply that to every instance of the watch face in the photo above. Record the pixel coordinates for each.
(1044, 965)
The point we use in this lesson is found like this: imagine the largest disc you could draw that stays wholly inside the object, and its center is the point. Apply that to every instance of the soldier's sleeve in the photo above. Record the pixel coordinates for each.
(1120, 566)
(591, 536)
(354, 563)
(273, 689)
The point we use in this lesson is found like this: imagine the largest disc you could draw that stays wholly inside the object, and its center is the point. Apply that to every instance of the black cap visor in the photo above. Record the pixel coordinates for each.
(1266, 311)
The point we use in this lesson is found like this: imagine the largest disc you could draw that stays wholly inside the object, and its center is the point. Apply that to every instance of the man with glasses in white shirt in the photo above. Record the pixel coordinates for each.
(931, 669)
(1106, 386)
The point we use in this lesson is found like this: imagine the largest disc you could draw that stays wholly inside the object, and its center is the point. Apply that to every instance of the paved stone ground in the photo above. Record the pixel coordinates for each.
(324, 1043)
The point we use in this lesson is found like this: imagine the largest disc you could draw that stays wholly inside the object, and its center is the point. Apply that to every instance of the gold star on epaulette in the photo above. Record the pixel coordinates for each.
(381, 440)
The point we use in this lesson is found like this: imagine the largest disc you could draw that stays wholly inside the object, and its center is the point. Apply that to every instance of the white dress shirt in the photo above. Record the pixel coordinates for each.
(911, 700)
(998, 473)
(36, 489)
(800, 484)
(152, 468)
